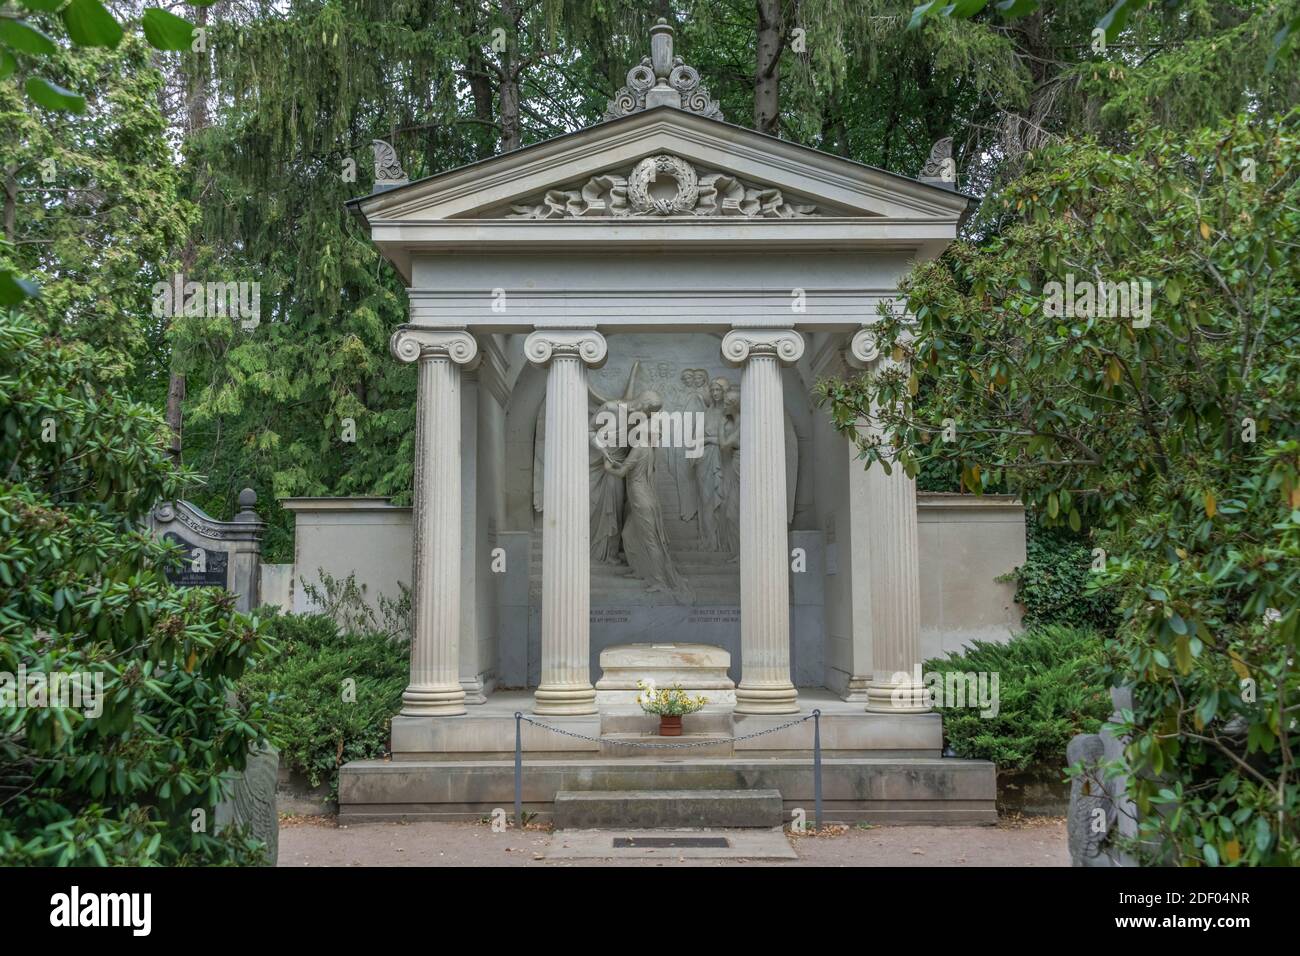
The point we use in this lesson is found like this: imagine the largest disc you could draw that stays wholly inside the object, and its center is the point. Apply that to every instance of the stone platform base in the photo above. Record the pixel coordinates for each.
(854, 789)
(488, 730)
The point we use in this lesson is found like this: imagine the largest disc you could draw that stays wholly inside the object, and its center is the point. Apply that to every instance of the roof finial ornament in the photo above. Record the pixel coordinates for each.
(662, 79)
(940, 169)
(388, 171)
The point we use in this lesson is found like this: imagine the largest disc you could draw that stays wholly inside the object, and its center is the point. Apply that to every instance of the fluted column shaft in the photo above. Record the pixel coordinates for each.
(565, 686)
(765, 686)
(893, 560)
(435, 687)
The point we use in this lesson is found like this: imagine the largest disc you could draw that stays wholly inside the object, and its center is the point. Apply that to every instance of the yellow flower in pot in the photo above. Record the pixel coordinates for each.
(671, 704)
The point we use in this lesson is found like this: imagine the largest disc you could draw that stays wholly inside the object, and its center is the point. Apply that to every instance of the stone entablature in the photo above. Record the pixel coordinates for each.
(629, 194)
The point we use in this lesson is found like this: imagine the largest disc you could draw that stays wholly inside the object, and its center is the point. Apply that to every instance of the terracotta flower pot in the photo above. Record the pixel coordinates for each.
(670, 726)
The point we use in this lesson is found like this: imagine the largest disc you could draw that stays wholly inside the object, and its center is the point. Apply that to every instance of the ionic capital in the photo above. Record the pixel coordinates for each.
(588, 345)
(864, 348)
(410, 342)
(739, 345)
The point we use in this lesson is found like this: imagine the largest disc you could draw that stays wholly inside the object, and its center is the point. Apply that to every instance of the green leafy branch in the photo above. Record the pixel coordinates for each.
(88, 23)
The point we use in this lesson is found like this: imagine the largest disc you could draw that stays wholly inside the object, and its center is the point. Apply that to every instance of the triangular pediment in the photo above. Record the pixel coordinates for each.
(663, 163)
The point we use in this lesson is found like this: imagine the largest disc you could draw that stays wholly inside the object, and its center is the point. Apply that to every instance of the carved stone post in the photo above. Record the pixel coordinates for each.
(565, 686)
(765, 686)
(435, 687)
(893, 566)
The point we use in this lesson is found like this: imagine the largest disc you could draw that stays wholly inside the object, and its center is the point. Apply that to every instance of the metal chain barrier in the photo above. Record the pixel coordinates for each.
(666, 746)
(815, 717)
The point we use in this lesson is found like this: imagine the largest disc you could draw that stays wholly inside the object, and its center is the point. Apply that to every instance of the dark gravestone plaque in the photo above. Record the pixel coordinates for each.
(215, 565)
(221, 554)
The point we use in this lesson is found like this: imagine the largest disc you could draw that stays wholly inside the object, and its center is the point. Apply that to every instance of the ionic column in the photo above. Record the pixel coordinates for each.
(894, 569)
(565, 686)
(435, 589)
(765, 686)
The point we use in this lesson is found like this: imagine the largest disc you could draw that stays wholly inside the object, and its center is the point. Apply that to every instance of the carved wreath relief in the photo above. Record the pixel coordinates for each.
(713, 194)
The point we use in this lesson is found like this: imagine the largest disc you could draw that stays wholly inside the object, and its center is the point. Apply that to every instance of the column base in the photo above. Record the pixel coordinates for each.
(474, 691)
(433, 700)
(856, 692)
(777, 698)
(901, 697)
(564, 699)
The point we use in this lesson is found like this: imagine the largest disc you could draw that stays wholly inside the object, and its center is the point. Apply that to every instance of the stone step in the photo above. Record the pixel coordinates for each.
(927, 790)
(666, 809)
(694, 745)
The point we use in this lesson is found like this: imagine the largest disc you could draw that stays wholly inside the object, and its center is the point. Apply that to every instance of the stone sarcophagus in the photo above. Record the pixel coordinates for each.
(699, 669)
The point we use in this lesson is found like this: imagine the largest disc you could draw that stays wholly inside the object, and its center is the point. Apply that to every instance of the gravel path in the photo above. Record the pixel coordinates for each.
(319, 841)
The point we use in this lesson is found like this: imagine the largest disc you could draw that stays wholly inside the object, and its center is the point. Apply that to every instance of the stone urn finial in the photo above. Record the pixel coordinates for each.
(661, 50)
(662, 79)
(247, 502)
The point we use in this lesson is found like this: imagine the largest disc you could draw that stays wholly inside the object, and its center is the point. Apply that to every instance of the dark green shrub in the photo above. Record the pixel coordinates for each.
(135, 780)
(1049, 689)
(1052, 584)
(317, 718)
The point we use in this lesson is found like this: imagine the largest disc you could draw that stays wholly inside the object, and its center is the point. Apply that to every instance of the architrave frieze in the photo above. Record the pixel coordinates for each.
(631, 193)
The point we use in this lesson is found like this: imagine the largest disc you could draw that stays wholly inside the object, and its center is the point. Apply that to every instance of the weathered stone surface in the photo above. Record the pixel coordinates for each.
(1100, 808)
(641, 745)
(1092, 813)
(251, 800)
(666, 809)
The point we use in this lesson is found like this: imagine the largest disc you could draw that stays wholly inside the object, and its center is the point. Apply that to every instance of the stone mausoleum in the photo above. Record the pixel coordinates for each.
(661, 266)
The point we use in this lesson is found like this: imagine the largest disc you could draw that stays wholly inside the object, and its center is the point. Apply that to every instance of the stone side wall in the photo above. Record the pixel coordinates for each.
(367, 537)
(966, 543)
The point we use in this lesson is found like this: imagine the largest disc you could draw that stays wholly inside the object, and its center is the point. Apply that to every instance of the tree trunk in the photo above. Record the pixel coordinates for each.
(175, 402)
(767, 67)
(510, 137)
(510, 68)
(479, 80)
(11, 202)
(196, 118)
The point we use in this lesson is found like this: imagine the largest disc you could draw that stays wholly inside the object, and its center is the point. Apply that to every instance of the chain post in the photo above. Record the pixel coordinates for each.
(817, 766)
(519, 772)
